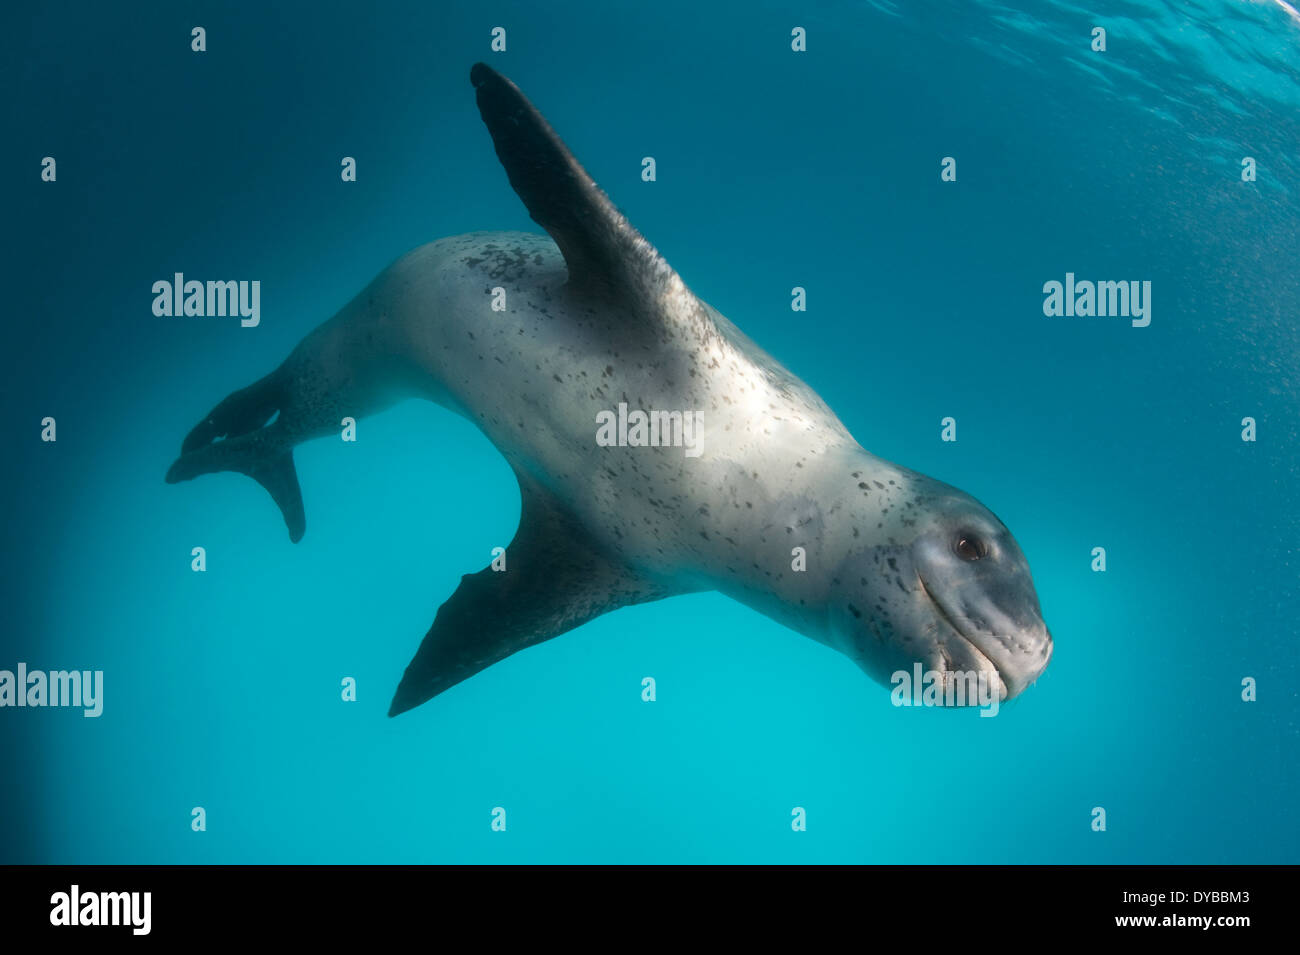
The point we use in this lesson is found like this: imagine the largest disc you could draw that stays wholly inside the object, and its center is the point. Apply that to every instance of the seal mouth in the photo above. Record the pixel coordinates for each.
(981, 657)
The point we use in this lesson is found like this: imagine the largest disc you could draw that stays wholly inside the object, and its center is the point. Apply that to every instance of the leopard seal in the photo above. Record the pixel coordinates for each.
(779, 508)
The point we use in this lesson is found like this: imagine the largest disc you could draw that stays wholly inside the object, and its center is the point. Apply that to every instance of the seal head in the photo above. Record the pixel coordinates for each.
(950, 589)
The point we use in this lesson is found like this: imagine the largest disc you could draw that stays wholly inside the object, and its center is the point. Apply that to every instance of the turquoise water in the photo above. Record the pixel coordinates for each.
(775, 169)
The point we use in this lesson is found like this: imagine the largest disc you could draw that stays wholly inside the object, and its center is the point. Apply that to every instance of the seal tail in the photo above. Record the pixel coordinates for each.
(244, 433)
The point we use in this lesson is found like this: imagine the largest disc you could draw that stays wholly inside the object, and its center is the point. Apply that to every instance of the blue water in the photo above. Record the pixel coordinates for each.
(775, 169)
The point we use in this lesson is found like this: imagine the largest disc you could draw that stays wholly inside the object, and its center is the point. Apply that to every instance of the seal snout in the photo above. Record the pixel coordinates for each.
(981, 635)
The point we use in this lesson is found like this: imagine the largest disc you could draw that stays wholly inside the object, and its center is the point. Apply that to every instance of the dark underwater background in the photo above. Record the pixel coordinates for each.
(775, 169)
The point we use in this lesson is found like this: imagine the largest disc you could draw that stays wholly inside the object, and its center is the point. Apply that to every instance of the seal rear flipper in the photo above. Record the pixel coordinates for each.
(243, 434)
(555, 579)
(241, 412)
(280, 478)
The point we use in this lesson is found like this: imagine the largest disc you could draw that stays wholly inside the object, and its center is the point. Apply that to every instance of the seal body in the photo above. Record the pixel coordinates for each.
(537, 376)
(728, 472)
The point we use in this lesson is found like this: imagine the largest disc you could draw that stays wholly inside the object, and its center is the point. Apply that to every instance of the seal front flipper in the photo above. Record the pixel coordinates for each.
(243, 433)
(603, 252)
(556, 579)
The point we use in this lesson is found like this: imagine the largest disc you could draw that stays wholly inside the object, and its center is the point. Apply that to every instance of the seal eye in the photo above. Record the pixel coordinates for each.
(970, 547)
